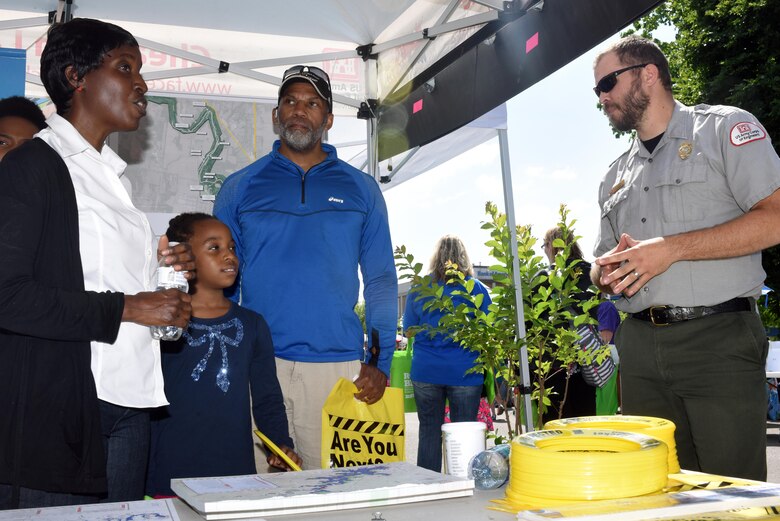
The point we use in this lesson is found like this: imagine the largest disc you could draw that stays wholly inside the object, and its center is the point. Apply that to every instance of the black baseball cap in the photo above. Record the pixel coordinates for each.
(318, 79)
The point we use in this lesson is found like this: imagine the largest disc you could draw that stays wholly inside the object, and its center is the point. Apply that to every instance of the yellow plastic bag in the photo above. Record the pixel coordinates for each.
(355, 433)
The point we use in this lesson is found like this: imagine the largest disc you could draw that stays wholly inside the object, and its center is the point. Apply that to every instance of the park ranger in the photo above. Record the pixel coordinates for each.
(685, 213)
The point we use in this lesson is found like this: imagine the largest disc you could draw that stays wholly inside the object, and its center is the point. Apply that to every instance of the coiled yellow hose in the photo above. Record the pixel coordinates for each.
(658, 428)
(570, 465)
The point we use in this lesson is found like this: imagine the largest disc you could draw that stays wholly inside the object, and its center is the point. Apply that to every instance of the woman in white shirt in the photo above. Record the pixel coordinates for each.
(91, 70)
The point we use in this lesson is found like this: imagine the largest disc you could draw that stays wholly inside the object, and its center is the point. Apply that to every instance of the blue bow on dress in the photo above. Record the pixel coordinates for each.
(213, 334)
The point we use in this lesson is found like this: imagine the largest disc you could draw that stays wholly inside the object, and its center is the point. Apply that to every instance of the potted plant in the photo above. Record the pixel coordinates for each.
(548, 299)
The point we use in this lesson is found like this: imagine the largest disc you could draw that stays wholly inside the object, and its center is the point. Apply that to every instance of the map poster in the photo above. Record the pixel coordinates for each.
(186, 147)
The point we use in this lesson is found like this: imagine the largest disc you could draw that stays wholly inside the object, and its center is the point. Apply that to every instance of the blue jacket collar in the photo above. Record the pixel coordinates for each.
(329, 149)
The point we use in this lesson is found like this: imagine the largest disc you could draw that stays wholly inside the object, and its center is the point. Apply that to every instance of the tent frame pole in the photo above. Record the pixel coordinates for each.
(21, 23)
(372, 138)
(442, 19)
(400, 165)
(525, 377)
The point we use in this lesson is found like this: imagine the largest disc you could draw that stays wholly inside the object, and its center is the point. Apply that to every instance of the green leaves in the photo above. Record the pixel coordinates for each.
(549, 296)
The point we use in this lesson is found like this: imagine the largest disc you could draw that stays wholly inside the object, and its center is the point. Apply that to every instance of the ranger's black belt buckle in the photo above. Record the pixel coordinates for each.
(659, 321)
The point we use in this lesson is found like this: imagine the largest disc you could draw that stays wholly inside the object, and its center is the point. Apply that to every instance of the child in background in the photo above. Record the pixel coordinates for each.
(225, 352)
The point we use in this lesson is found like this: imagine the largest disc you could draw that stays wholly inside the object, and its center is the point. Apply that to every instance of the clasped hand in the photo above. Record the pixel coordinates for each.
(627, 267)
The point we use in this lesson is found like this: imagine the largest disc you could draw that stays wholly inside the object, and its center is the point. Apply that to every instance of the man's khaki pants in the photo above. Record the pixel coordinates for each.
(305, 387)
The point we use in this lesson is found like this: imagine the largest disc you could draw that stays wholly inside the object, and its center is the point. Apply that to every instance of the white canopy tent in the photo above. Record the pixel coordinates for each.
(239, 50)
(372, 49)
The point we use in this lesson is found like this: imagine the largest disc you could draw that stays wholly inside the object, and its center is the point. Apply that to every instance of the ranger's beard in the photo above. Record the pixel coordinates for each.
(631, 110)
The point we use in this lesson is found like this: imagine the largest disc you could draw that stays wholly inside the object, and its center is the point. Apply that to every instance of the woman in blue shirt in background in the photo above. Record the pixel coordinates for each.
(439, 364)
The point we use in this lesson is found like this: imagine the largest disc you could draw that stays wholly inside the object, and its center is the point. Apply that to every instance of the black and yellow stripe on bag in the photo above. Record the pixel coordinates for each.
(365, 427)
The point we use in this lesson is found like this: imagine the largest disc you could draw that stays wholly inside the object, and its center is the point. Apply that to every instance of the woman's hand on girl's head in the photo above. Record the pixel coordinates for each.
(179, 256)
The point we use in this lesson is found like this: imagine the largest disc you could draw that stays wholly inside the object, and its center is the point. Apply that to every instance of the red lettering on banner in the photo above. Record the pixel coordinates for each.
(197, 49)
(345, 69)
(156, 58)
(150, 57)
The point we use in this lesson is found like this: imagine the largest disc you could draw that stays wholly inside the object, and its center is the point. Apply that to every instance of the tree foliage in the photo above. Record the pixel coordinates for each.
(549, 298)
(360, 311)
(726, 52)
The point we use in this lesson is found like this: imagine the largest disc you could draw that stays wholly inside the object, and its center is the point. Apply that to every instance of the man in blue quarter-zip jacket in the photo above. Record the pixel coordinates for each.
(303, 222)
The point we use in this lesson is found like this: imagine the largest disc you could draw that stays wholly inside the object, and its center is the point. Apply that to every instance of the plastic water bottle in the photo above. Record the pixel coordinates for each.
(490, 468)
(168, 278)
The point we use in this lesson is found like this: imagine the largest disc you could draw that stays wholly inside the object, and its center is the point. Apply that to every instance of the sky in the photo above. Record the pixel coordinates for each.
(560, 147)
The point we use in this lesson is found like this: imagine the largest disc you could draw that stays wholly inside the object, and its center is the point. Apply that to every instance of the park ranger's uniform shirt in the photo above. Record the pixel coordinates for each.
(711, 166)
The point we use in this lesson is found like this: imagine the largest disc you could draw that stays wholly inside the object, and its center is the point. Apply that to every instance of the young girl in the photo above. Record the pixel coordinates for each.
(225, 352)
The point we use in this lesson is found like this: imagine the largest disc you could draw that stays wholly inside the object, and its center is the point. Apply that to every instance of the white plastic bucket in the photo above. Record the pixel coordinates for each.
(462, 441)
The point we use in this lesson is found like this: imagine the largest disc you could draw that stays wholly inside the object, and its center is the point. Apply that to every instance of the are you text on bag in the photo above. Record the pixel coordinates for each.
(355, 433)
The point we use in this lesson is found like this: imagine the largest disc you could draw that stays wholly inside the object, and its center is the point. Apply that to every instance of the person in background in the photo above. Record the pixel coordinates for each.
(20, 120)
(580, 397)
(68, 232)
(608, 396)
(439, 364)
(224, 357)
(303, 222)
(609, 320)
(685, 213)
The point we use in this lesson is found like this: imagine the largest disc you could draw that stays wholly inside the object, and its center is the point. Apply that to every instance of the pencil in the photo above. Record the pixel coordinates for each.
(276, 450)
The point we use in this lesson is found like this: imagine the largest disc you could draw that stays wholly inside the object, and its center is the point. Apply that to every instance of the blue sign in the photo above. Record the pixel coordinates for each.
(12, 72)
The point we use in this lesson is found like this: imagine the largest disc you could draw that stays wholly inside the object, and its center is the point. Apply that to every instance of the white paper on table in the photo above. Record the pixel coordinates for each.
(321, 490)
(227, 484)
(159, 509)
